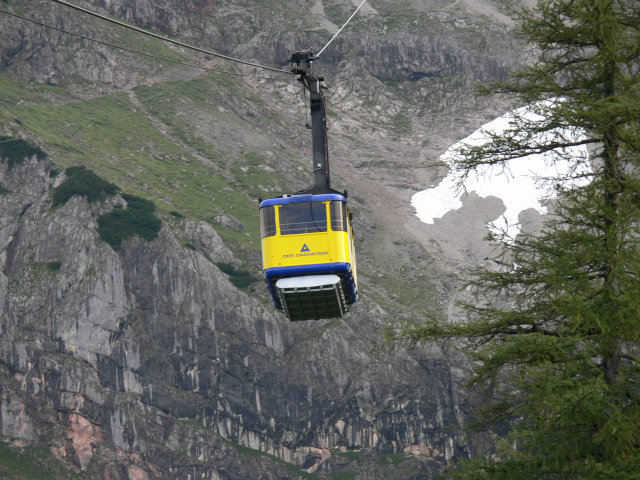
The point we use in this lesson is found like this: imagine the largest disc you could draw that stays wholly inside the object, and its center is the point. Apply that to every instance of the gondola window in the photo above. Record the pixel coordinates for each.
(303, 218)
(338, 216)
(268, 221)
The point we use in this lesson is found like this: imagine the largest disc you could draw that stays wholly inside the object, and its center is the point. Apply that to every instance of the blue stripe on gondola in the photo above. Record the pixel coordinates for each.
(302, 199)
(315, 269)
(274, 295)
(340, 268)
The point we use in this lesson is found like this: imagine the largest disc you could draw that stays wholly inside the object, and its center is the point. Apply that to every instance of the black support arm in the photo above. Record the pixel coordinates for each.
(301, 62)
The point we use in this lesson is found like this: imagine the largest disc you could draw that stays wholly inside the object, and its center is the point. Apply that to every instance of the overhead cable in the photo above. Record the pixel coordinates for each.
(336, 34)
(167, 39)
(137, 52)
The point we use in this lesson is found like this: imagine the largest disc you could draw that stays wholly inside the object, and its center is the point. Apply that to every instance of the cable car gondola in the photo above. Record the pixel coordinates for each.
(308, 254)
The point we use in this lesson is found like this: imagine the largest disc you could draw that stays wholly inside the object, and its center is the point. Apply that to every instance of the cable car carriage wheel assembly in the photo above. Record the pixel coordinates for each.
(308, 254)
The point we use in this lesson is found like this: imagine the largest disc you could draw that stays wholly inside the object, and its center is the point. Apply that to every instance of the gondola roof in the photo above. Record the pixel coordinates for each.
(303, 198)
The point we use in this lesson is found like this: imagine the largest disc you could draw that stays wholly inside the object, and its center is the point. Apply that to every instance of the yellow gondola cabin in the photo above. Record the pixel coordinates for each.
(307, 241)
(308, 255)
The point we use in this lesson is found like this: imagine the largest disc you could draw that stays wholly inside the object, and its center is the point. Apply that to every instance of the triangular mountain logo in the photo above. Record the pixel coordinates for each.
(305, 248)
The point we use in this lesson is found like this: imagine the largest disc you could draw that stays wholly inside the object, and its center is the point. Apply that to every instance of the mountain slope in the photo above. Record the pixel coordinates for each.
(150, 359)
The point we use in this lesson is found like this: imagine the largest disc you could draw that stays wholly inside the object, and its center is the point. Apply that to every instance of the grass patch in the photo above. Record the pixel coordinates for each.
(119, 145)
(15, 150)
(342, 475)
(352, 455)
(405, 295)
(153, 441)
(402, 124)
(111, 136)
(250, 452)
(391, 458)
(240, 278)
(253, 177)
(33, 463)
(54, 266)
(15, 90)
(336, 12)
(138, 218)
(81, 181)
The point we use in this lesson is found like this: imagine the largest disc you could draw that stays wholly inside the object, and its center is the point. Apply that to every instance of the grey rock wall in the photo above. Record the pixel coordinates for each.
(148, 362)
(51, 56)
(151, 351)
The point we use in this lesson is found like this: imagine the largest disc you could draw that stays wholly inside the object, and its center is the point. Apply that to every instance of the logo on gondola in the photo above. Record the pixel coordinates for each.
(305, 252)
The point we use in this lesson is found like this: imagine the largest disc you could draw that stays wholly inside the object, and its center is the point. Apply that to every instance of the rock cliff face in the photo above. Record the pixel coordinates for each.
(150, 363)
(47, 52)
(150, 351)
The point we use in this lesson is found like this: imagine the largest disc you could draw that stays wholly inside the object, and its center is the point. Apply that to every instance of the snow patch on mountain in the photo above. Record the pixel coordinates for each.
(523, 183)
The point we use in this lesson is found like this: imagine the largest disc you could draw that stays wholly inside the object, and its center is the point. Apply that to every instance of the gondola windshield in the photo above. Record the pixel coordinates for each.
(298, 218)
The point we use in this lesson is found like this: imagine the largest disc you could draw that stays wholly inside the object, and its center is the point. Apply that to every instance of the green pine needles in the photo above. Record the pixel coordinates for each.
(554, 340)
(138, 218)
(81, 181)
(16, 150)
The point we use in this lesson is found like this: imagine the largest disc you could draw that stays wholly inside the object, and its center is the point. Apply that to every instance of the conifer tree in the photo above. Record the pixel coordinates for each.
(553, 340)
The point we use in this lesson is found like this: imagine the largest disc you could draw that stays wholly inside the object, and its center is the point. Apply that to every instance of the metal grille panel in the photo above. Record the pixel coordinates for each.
(313, 303)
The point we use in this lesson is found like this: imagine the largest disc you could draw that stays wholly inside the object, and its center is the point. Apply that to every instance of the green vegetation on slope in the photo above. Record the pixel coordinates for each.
(123, 147)
(171, 101)
(240, 278)
(402, 124)
(15, 150)
(392, 458)
(33, 463)
(250, 452)
(54, 266)
(343, 475)
(81, 181)
(138, 218)
(117, 225)
(114, 138)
